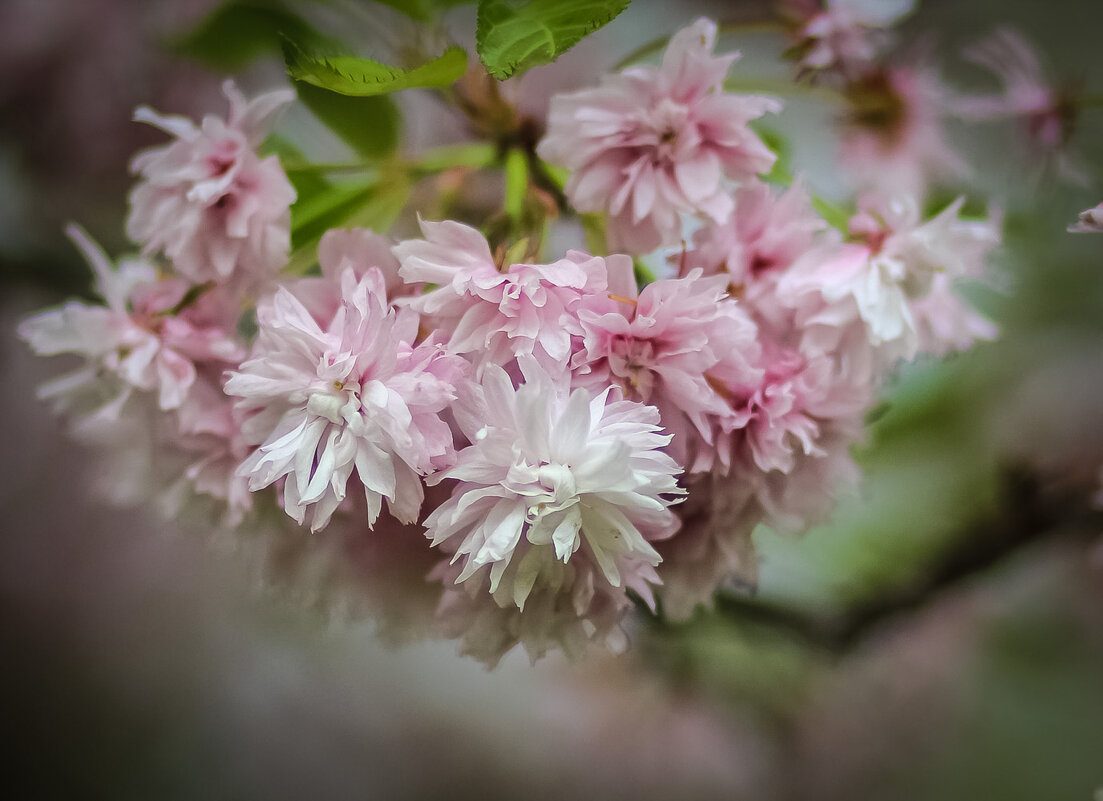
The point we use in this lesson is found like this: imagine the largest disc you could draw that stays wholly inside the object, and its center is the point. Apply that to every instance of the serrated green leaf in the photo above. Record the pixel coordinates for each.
(369, 125)
(362, 77)
(513, 36)
(238, 33)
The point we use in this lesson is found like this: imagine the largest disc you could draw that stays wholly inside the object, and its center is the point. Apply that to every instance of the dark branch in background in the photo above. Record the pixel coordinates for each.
(61, 273)
(1029, 513)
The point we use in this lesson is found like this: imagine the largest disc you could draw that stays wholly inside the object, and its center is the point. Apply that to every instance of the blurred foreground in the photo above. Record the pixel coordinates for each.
(941, 639)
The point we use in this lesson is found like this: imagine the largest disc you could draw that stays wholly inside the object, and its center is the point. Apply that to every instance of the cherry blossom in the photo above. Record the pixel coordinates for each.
(147, 336)
(357, 394)
(552, 477)
(889, 263)
(1048, 112)
(494, 314)
(207, 201)
(843, 36)
(652, 143)
(673, 347)
(765, 235)
(893, 140)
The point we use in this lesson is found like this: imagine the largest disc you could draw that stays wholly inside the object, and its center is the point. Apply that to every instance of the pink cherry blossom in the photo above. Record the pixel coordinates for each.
(209, 436)
(554, 477)
(207, 201)
(497, 315)
(357, 394)
(842, 36)
(356, 249)
(1089, 222)
(652, 143)
(893, 140)
(1048, 112)
(672, 348)
(765, 235)
(713, 549)
(879, 276)
(140, 340)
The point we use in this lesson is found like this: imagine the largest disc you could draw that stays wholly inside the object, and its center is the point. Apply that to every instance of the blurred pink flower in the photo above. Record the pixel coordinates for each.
(841, 36)
(209, 437)
(652, 143)
(878, 276)
(207, 201)
(569, 607)
(148, 337)
(713, 549)
(356, 394)
(766, 234)
(1049, 112)
(893, 140)
(1089, 222)
(554, 477)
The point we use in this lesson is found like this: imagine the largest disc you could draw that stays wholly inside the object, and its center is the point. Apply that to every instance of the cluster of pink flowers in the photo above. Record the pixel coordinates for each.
(559, 440)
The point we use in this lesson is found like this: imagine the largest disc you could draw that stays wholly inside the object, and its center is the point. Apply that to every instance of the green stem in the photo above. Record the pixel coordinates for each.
(474, 155)
(336, 166)
(517, 183)
(477, 155)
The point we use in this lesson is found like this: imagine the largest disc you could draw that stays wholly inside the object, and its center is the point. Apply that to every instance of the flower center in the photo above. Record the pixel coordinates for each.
(549, 486)
(336, 401)
(631, 359)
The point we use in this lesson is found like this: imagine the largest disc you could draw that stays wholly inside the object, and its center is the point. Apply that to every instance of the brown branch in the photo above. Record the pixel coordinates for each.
(1028, 513)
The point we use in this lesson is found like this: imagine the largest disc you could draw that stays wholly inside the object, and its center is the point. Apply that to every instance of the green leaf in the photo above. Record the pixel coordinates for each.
(781, 173)
(327, 209)
(836, 216)
(644, 274)
(238, 33)
(374, 205)
(513, 36)
(307, 183)
(362, 77)
(369, 125)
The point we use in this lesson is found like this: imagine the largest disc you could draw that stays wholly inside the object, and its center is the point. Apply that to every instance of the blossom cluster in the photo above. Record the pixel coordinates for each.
(561, 439)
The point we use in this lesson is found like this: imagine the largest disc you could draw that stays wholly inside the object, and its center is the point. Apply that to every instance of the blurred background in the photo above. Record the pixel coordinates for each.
(941, 638)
